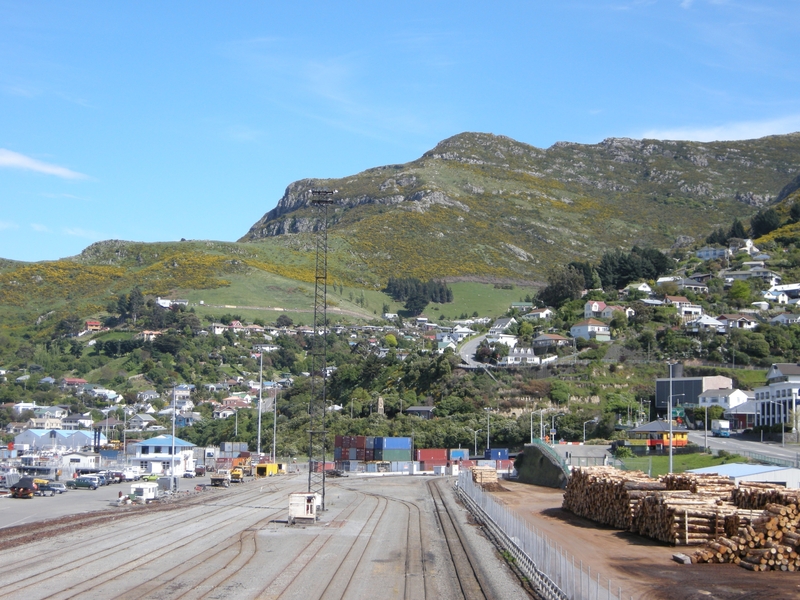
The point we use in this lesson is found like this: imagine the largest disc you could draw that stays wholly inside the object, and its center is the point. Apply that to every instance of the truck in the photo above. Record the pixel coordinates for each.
(237, 475)
(221, 478)
(720, 428)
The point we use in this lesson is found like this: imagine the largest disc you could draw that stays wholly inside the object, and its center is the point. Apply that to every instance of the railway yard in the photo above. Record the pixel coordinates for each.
(388, 537)
(393, 537)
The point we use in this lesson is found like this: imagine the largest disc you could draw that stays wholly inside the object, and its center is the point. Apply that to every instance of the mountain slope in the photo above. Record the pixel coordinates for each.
(486, 206)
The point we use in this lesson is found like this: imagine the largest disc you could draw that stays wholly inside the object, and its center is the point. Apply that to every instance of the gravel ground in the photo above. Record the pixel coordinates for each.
(379, 537)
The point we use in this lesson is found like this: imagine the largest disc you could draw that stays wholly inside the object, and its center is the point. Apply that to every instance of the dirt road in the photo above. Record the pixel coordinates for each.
(642, 567)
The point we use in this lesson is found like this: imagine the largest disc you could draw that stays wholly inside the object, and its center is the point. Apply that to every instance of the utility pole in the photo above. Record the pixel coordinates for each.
(260, 389)
(317, 445)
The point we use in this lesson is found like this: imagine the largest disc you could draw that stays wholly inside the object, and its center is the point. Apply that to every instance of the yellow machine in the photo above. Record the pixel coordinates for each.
(237, 475)
(266, 470)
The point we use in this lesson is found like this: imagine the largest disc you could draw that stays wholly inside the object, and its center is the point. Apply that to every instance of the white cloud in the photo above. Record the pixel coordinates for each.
(40, 228)
(743, 130)
(8, 225)
(15, 160)
(84, 233)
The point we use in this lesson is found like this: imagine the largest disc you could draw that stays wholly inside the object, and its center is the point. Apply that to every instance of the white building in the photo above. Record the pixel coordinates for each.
(778, 399)
(591, 329)
(39, 439)
(727, 398)
(155, 455)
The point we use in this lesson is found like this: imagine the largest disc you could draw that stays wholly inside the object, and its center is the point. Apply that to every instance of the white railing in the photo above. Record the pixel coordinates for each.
(556, 573)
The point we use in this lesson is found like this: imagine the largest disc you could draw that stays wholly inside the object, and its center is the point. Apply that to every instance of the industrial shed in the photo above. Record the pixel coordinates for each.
(788, 476)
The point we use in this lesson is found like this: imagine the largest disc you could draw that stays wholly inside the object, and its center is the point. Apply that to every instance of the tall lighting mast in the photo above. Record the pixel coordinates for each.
(317, 446)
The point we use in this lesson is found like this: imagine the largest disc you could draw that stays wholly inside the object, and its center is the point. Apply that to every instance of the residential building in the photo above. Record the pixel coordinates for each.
(727, 398)
(547, 340)
(742, 416)
(692, 285)
(539, 313)
(709, 253)
(424, 412)
(738, 321)
(501, 325)
(591, 329)
(785, 319)
(93, 325)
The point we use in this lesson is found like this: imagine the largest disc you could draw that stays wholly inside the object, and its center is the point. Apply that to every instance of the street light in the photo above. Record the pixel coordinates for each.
(475, 435)
(584, 427)
(488, 414)
(783, 420)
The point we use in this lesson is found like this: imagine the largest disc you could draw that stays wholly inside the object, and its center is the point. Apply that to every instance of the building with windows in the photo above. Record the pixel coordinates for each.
(777, 400)
(686, 390)
(155, 455)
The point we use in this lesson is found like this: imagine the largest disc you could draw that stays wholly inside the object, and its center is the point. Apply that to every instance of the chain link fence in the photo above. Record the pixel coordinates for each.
(556, 574)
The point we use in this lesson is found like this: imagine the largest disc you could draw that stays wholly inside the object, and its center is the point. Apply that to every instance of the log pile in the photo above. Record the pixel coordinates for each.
(607, 495)
(756, 496)
(484, 475)
(682, 518)
(709, 483)
(768, 542)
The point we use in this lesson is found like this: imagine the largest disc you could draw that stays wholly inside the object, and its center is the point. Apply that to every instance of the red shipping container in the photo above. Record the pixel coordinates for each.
(432, 454)
(361, 441)
(345, 441)
(337, 443)
(429, 464)
(361, 454)
(465, 464)
(369, 455)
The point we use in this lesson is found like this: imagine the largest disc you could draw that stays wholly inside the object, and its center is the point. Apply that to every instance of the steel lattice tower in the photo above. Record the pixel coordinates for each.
(317, 443)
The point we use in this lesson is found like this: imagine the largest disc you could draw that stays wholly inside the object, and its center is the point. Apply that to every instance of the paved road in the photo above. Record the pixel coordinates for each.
(737, 445)
(467, 351)
(378, 538)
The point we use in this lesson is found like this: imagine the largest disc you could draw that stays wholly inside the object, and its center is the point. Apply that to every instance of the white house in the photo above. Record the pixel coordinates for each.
(777, 297)
(727, 398)
(591, 329)
(155, 455)
(641, 286)
(705, 323)
(390, 316)
(539, 313)
(785, 319)
(709, 253)
(738, 321)
(503, 338)
(520, 357)
(501, 325)
(141, 421)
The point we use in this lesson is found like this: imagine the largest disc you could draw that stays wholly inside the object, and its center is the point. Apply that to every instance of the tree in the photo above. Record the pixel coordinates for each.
(737, 231)
(764, 221)
(794, 213)
(563, 284)
(739, 292)
(284, 321)
(416, 303)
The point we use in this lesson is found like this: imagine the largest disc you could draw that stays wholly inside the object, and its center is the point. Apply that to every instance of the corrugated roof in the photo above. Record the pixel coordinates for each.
(738, 469)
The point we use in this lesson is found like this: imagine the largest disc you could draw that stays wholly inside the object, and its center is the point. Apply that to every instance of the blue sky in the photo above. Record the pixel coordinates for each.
(157, 121)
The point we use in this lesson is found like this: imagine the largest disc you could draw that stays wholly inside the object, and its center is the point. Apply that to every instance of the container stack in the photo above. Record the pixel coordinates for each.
(354, 452)
(496, 454)
(431, 458)
(458, 454)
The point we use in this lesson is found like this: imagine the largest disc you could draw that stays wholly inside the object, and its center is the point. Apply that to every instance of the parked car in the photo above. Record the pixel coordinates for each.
(188, 475)
(87, 483)
(116, 476)
(151, 477)
(24, 488)
(57, 487)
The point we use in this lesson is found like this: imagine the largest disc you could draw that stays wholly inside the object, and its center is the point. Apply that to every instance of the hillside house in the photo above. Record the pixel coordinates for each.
(692, 285)
(709, 253)
(93, 325)
(542, 314)
(591, 329)
(549, 340)
(738, 321)
(141, 421)
(785, 319)
(501, 326)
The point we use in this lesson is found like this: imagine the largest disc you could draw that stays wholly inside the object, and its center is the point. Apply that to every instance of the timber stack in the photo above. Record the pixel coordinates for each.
(483, 475)
(682, 518)
(607, 495)
(765, 540)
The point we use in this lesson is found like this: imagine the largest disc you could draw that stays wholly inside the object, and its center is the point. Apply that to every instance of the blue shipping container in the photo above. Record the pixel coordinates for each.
(496, 454)
(397, 443)
(459, 453)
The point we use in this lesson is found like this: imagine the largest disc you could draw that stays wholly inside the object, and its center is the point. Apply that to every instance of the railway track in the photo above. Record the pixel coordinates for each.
(395, 539)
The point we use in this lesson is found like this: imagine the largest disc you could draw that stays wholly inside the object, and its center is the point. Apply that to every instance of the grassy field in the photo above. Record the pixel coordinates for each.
(659, 464)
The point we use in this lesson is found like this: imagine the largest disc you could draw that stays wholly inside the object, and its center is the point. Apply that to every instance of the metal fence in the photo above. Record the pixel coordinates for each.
(556, 573)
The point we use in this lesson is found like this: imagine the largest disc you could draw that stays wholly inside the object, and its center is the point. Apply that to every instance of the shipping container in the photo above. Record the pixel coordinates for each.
(369, 455)
(361, 441)
(396, 443)
(345, 441)
(459, 453)
(487, 463)
(431, 454)
(361, 454)
(402, 466)
(370, 442)
(393, 455)
(337, 454)
(439, 470)
(337, 441)
(351, 453)
(430, 465)
(496, 454)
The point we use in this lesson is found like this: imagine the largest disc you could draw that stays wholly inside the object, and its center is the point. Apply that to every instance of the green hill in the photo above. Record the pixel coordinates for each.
(480, 206)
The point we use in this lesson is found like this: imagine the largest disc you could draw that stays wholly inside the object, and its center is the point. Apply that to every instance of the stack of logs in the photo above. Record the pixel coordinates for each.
(607, 495)
(764, 534)
(483, 475)
(755, 525)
